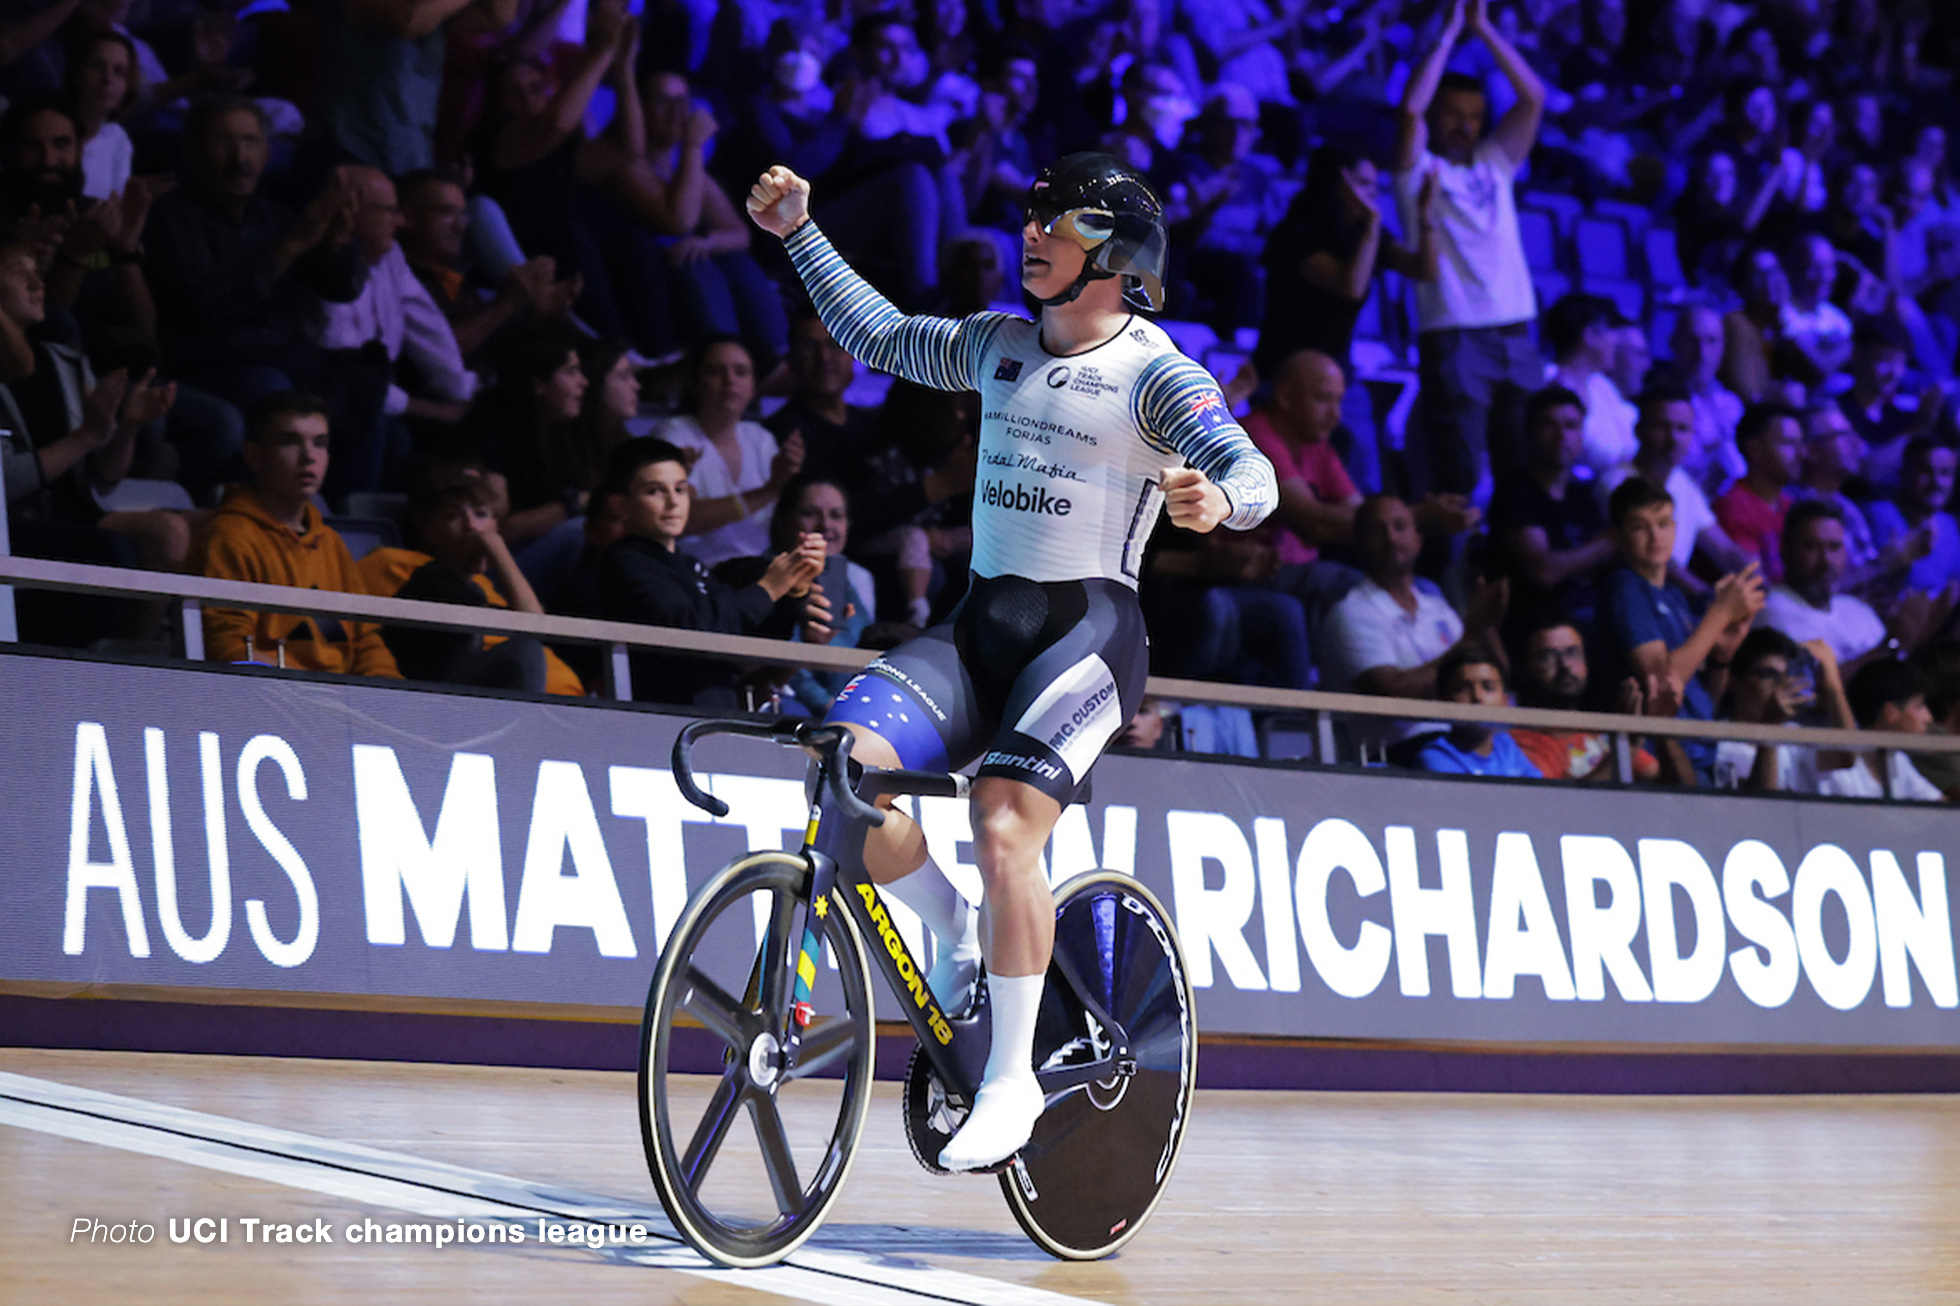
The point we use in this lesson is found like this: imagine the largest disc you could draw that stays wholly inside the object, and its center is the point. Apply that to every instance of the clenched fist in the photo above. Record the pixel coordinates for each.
(1193, 501)
(779, 201)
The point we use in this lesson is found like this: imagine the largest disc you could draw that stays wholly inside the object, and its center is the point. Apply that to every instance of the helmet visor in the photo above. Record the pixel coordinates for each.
(1087, 229)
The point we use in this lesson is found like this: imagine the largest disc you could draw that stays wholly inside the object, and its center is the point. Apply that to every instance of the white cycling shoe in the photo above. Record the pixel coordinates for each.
(1003, 1117)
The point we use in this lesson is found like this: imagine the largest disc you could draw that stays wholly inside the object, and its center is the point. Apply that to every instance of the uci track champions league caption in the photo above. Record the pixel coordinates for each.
(251, 1231)
(185, 833)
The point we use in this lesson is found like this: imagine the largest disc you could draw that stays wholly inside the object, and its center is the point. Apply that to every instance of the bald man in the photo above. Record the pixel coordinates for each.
(1317, 498)
(1295, 429)
(394, 311)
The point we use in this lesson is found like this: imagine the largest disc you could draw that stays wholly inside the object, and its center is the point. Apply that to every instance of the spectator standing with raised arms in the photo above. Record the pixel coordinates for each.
(1475, 317)
(1092, 423)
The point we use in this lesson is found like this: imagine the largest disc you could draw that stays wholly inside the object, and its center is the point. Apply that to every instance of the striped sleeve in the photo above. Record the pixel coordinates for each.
(942, 352)
(1180, 409)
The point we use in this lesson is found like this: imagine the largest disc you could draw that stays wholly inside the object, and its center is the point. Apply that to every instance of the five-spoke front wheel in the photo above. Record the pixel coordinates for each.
(746, 1152)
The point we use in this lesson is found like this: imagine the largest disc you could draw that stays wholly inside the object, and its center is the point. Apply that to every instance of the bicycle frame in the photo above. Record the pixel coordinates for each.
(957, 1047)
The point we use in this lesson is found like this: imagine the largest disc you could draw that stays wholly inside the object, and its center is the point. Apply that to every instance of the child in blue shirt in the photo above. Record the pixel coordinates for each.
(1648, 629)
(1471, 673)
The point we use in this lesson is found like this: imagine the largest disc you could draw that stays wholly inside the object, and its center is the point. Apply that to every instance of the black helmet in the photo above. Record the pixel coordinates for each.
(1103, 205)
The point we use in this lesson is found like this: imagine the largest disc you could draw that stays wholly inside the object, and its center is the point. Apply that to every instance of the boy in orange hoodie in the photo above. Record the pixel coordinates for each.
(272, 533)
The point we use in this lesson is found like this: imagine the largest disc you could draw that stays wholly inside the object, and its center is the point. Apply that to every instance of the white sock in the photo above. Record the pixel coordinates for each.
(1010, 1099)
(955, 926)
(919, 611)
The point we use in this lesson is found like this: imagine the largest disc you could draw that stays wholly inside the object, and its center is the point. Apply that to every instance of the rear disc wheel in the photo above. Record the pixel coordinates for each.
(1102, 1152)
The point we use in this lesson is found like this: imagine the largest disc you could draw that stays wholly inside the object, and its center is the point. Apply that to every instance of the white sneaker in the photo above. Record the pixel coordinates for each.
(1002, 1119)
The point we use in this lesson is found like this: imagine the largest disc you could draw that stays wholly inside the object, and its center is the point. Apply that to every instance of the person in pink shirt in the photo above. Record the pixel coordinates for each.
(1317, 497)
(1295, 429)
(1771, 439)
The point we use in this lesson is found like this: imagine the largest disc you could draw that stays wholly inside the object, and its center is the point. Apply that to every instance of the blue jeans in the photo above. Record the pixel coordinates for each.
(730, 294)
(208, 433)
(1252, 634)
(549, 559)
(240, 385)
(902, 216)
(1465, 436)
(1359, 436)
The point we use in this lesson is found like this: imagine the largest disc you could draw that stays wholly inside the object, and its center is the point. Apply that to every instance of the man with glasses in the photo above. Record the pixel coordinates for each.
(1552, 673)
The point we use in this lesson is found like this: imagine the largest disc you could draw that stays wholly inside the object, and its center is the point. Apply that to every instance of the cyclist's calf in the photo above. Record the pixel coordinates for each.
(1011, 825)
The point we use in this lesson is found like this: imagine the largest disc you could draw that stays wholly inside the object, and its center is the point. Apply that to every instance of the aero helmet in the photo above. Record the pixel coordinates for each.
(1103, 205)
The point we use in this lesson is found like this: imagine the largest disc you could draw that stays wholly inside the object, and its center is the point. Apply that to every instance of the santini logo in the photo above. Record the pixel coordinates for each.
(1019, 498)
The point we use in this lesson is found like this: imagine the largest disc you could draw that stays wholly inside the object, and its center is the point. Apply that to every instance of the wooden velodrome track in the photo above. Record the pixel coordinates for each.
(1351, 1198)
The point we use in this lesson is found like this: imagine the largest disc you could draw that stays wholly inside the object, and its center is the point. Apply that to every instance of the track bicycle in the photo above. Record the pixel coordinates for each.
(761, 1006)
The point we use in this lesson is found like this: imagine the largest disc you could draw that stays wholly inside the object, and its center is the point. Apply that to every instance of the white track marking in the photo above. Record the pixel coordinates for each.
(398, 1181)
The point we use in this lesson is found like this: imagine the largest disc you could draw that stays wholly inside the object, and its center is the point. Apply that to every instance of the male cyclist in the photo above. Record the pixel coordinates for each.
(1091, 421)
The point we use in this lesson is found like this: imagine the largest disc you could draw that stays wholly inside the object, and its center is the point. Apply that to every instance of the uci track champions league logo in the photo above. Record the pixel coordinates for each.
(238, 858)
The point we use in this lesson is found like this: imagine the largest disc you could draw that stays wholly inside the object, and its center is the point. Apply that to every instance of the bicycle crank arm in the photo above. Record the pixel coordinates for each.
(1063, 1078)
(1118, 1036)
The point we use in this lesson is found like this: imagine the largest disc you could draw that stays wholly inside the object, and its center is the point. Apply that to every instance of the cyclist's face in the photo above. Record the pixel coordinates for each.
(1050, 263)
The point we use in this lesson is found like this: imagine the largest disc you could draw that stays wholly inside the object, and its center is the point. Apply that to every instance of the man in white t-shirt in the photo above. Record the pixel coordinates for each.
(1475, 316)
(1390, 632)
(1809, 604)
(1665, 432)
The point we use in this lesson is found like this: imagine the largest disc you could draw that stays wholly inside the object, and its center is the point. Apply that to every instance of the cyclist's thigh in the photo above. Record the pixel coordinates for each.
(1074, 696)
(920, 699)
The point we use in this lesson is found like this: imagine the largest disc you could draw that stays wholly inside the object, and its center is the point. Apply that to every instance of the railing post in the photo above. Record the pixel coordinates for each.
(190, 630)
(1323, 735)
(619, 673)
(1623, 757)
(1885, 771)
(9, 628)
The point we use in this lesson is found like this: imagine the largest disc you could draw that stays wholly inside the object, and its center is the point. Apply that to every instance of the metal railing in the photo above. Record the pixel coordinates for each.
(621, 638)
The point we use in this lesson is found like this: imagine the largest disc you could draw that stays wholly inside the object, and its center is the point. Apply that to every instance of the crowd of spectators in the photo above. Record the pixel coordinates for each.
(473, 276)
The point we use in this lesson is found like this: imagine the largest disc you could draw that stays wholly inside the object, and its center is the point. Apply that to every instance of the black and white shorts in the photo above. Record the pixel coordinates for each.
(1034, 678)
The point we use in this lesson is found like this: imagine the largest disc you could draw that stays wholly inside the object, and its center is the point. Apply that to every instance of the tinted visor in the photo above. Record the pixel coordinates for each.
(1086, 228)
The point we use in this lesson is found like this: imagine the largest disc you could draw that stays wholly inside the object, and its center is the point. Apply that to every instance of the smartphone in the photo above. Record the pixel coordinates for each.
(835, 582)
(1803, 679)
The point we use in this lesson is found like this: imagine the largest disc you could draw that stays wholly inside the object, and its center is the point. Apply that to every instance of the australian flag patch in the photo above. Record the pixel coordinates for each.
(1009, 369)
